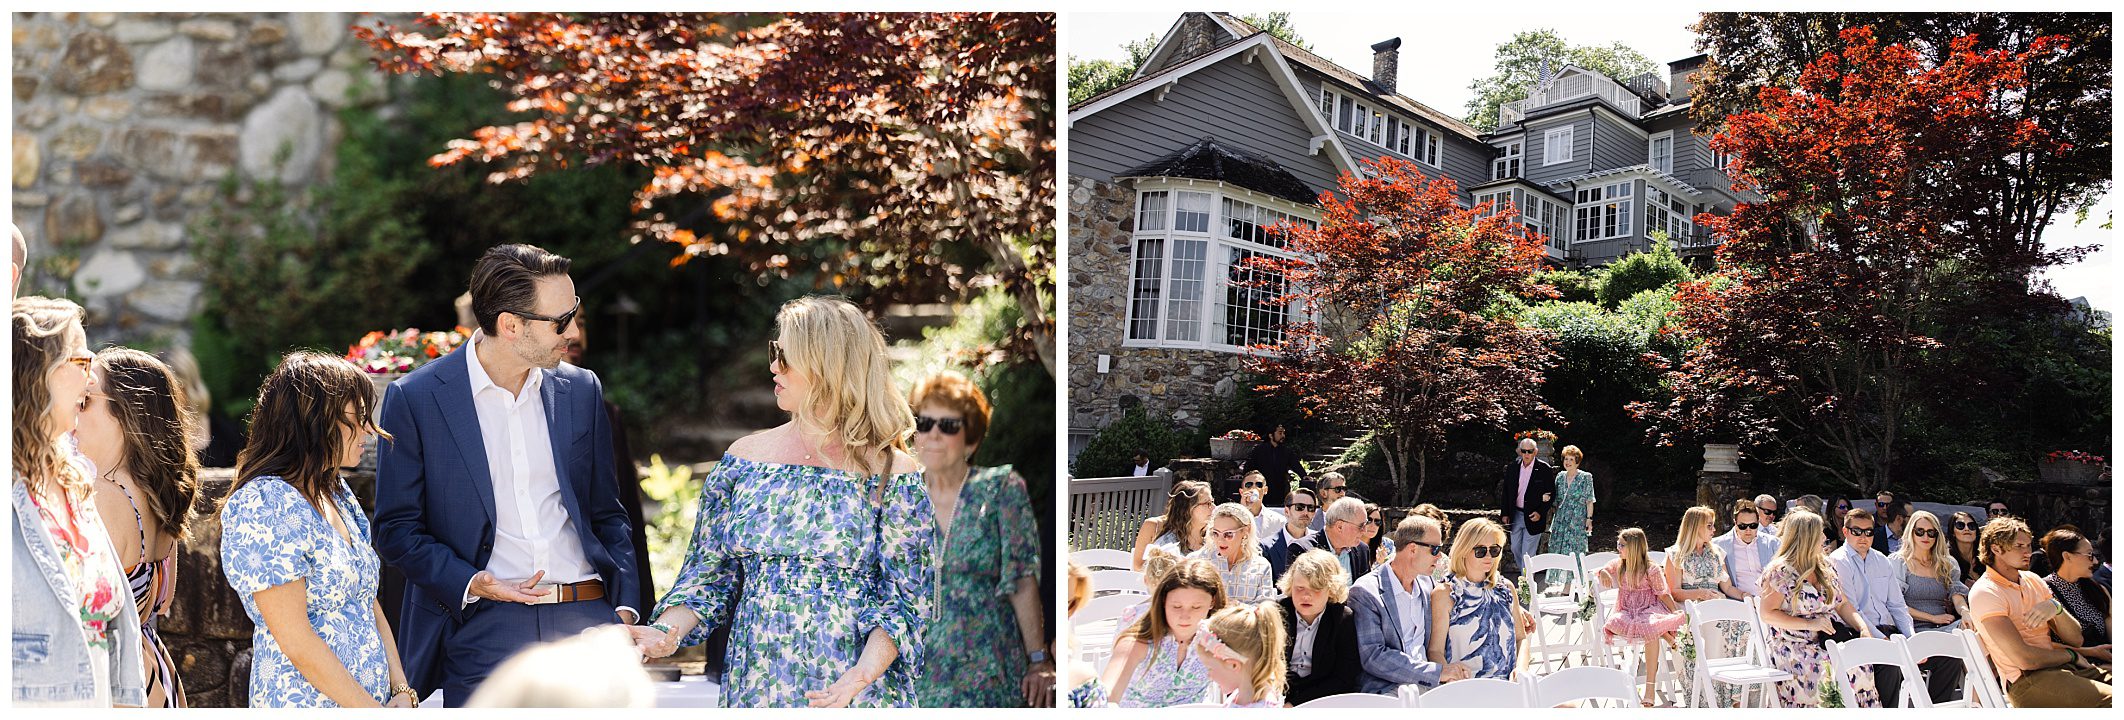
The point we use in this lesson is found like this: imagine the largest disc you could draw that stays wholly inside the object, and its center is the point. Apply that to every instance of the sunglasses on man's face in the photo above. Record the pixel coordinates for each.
(1254, 484)
(1302, 507)
(1856, 531)
(1489, 551)
(1997, 510)
(1746, 526)
(949, 426)
(1436, 549)
(1335, 488)
(1524, 451)
(560, 322)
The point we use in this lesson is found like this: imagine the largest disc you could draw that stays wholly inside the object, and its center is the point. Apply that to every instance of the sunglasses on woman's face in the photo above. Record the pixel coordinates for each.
(780, 358)
(1371, 521)
(949, 426)
(1925, 533)
(1226, 534)
(1964, 525)
(1488, 551)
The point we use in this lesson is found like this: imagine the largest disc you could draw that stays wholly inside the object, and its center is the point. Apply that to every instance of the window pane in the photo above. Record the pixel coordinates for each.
(1343, 112)
(1143, 290)
(1193, 213)
(1251, 315)
(1378, 125)
(1185, 321)
(1150, 212)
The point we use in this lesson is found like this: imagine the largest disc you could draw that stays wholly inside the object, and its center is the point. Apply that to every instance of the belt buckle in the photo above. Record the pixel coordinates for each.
(550, 598)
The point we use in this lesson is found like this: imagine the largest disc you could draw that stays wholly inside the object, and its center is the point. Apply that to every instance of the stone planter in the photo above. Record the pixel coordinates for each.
(1229, 449)
(1545, 450)
(2069, 472)
(1721, 457)
(381, 381)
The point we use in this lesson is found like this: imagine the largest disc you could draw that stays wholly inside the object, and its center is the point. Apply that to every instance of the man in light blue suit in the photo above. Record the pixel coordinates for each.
(496, 495)
(1392, 605)
(1747, 548)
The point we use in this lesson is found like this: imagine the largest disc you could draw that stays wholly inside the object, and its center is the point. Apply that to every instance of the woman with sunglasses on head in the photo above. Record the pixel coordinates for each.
(813, 537)
(1478, 608)
(1183, 526)
(137, 427)
(1232, 550)
(77, 637)
(1962, 545)
(1933, 594)
(986, 641)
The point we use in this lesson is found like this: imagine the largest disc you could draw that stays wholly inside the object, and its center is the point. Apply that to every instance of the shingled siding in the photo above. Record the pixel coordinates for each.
(1234, 101)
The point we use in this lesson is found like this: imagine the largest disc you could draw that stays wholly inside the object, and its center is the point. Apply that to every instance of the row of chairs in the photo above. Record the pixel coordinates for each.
(1580, 686)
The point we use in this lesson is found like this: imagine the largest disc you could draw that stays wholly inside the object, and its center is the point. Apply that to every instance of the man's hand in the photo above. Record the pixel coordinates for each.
(626, 616)
(1533, 517)
(487, 586)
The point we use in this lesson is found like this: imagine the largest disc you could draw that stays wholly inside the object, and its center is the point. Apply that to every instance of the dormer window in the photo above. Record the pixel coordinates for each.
(1381, 127)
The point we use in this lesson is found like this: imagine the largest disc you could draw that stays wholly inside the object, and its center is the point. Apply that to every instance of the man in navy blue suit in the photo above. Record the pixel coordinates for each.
(496, 496)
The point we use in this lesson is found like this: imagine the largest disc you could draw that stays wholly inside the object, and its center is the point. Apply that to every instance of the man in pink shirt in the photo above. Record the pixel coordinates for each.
(2034, 642)
(1524, 493)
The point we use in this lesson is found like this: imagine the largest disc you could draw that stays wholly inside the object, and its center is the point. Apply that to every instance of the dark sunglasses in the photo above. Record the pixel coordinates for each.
(1302, 507)
(1485, 551)
(1371, 521)
(1964, 525)
(1526, 452)
(1254, 484)
(1856, 531)
(1996, 511)
(949, 426)
(560, 322)
(1770, 512)
(1746, 526)
(780, 358)
(1925, 532)
(1436, 549)
(1336, 488)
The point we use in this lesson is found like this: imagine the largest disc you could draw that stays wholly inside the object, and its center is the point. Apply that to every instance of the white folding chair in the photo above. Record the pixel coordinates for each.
(1122, 581)
(1659, 558)
(1987, 676)
(1866, 652)
(1097, 558)
(1354, 700)
(1584, 683)
(1578, 636)
(1750, 669)
(1198, 705)
(1475, 693)
(1095, 626)
(1929, 644)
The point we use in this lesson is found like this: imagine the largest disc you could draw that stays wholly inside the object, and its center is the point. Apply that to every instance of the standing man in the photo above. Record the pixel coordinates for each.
(1293, 537)
(1875, 586)
(1276, 462)
(1393, 609)
(1523, 497)
(1139, 464)
(496, 496)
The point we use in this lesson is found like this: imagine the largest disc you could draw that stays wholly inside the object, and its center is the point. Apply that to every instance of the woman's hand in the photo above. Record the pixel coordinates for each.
(401, 700)
(1039, 685)
(652, 642)
(842, 691)
(1824, 624)
(2097, 652)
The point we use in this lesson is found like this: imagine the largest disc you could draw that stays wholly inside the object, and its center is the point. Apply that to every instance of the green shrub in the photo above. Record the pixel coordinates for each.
(1110, 451)
(1575, 285)
(1641, 271)
(677, 495)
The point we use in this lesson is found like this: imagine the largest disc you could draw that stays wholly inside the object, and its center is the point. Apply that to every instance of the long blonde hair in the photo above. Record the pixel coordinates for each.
(1800, 549)
(851, 394)
(1256, 632)
(1634, 554)
(1939, 558)
(1692, 526)
(1476, 532)
(44, 330)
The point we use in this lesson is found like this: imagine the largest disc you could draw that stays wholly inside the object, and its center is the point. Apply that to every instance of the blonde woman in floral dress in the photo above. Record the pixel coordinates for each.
(1800, 594)
(1696, 570)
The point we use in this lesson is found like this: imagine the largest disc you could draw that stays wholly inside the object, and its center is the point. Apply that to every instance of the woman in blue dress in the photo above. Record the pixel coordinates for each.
(824, 521)
(1476, 620)
(295, 545)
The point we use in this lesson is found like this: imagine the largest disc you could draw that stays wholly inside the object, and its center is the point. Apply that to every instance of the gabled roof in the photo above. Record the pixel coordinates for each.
(1209, 160)
(1264, 50)
(1354, 79)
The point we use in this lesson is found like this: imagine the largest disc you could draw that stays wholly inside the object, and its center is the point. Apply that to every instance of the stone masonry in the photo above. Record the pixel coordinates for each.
(124, 123)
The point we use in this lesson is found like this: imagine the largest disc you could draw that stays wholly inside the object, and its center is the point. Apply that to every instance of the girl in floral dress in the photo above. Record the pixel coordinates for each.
(1155, 663)
(1476, 620)
(1644, 611)
(826, 524)
(1243, 651)
(1800, 594)
(1696, 570)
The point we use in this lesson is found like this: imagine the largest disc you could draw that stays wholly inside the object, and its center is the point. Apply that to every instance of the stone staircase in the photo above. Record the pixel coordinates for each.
(1324, 459)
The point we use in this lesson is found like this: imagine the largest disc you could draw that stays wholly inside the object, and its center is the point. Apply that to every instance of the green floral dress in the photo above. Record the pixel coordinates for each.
(1567, 523)
(802, 565)
(976, 657)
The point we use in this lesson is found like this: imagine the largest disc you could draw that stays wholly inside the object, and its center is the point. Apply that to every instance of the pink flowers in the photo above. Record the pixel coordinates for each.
(1241, 435)
(401, 351)
(2072, 456)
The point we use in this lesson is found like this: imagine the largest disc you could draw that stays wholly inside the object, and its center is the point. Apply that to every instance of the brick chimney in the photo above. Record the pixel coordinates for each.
(1679, 83)
(1386, 64)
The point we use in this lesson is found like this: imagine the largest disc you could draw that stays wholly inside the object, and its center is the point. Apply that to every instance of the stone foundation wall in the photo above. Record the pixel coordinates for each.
(1178, 384)
(124, 123)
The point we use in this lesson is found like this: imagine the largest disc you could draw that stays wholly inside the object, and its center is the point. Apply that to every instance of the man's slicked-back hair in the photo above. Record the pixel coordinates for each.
(505, 280)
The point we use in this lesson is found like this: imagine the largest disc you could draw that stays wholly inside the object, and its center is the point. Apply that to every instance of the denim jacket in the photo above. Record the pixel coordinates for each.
(51, 652)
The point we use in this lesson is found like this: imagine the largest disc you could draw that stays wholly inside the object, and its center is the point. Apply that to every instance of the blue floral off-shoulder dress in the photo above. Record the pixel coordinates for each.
(820, 566)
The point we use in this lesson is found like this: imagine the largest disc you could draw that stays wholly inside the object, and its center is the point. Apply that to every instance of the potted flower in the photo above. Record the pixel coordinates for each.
(388, 356)
(1544, 442)
(1234, 445)
(2071, 467)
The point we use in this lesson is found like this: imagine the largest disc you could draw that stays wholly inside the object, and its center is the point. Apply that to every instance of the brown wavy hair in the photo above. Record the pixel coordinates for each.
(157, 422)
(297, 427)
(1193, 574)
(1180, 512)
(44, 330)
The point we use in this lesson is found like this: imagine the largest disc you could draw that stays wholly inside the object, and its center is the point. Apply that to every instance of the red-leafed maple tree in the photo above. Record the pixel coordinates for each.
(912, 154)
(1399, 284)
(1813, 340)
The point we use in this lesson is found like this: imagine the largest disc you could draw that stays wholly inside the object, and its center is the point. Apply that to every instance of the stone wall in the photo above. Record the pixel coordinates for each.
(1178, 384)
(125, 122)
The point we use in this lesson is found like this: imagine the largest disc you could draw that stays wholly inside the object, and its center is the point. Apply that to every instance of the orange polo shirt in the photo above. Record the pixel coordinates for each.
(1993, 596)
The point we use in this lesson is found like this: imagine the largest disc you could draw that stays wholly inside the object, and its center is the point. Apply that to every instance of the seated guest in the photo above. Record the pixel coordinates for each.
(1157, 562)
(1475, 610)
(1344, 536)
(1748, 548)
(1231, 549)
(1883, 507)
(1243, 651)
(1079, 676)
(1768, 511)
(2036, 645)
(1292, 538)
(1935, 596)
(1155, 663)
(1323, 629)
(1394, 617)
(1333, 486)
(596, 669)
(1375, 534)
(1184, 525)
(1802, 603)
(1267, 520)
(1445, 532)
(1891, 522)
(1964, 547)
(1696, 570)
(1875, 586)
(2072, 582)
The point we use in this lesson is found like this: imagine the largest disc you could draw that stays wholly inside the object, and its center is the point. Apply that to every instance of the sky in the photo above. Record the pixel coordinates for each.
(1442, 53)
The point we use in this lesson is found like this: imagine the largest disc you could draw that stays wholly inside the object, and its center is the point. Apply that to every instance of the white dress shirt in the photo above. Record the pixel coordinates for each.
(532, 530)
(1404, 602)
(1747, 566)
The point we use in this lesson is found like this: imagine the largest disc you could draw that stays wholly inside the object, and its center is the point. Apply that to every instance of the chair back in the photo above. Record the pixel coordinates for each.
(1354, 700)
(1123, 581)
(1589, 682)
(1845, 657)
(1097, 558)
(1475, 693)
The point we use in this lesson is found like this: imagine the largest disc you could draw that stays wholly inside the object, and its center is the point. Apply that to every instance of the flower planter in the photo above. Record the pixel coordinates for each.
(380, 381)
(1545, 450)
(2069, 472)
(1229, 449)
(1721, 457)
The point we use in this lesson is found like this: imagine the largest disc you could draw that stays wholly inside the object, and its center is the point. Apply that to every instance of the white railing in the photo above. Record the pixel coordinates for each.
(1106, 512)
(1614, 93)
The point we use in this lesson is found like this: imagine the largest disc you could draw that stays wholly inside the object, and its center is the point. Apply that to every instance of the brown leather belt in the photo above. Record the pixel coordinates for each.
(571, 592)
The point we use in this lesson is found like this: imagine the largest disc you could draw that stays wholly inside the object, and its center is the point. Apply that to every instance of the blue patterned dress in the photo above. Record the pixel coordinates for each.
(1481, 632)
(820, 566)
(1162, 682)
(271, 536)
(974, 654)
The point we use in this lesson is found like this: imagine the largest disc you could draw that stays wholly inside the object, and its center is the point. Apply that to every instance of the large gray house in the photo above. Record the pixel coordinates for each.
(1226, 130)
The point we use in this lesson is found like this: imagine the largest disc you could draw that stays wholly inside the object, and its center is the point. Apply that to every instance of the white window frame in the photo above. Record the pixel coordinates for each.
(1606, 211)
(1652, 158)
(1537, 213)
(1209, 303)
(1511, 160)
(1661, 213)
(1549, 144)
(1376, 125)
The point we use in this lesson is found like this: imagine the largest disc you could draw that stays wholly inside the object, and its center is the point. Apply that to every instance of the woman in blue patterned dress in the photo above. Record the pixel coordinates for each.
(1477, 609)
(826, 525)
(1155, 663)
(1571, 523)
(987, 643)
(295, 544)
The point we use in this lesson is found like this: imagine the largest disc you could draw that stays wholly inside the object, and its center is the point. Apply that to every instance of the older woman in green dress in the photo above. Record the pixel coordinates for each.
(986, 643)
(1572, 521)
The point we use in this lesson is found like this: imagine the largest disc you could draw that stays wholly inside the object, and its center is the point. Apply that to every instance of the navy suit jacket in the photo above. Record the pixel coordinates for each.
(435, 498)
